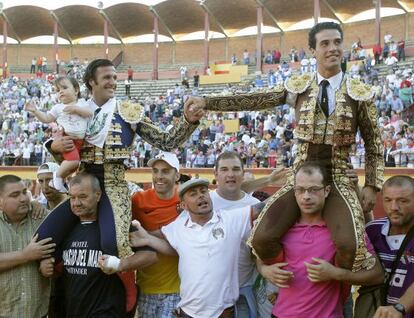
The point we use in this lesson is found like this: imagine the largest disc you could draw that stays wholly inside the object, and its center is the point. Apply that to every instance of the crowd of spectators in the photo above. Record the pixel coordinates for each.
(264, 139)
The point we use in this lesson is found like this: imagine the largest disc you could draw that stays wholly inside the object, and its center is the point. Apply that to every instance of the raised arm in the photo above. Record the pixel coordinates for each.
(175, 137)
(43, 117)
(276, 178)
(241, 102)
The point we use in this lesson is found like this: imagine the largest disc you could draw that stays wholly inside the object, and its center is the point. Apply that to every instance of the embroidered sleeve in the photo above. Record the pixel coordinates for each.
(247, 102)
(166, 141)
(374, 161)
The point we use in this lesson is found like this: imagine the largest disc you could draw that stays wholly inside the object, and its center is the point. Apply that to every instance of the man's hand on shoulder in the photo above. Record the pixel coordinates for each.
(37, 250)
(38, 210)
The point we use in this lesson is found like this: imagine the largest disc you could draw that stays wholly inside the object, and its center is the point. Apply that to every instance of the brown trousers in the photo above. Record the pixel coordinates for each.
(342, 214)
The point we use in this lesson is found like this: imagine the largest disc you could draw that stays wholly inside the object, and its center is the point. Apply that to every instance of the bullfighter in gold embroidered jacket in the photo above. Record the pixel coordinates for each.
(108, 144)
(326, 139)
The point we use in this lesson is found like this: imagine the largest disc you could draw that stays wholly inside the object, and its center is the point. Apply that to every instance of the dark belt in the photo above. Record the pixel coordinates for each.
(227, 313)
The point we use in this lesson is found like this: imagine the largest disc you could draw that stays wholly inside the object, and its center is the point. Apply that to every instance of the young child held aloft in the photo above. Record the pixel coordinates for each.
(72, 115)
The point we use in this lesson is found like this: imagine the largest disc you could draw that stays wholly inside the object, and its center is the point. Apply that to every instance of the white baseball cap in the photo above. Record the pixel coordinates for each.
(48, 167)
(170, 158)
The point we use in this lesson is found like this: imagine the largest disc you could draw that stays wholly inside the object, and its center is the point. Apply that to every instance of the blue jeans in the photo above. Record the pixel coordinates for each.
(246, 304)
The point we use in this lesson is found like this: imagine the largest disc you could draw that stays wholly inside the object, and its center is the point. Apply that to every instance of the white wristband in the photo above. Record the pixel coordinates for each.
(113, 262)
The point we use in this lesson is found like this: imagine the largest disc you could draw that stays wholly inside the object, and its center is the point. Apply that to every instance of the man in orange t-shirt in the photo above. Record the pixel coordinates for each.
(159, 283)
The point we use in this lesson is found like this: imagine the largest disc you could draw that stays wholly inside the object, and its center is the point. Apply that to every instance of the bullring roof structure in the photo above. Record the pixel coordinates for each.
(28, 19)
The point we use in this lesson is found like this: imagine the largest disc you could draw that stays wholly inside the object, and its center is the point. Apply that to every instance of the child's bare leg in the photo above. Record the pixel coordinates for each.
(67, 167)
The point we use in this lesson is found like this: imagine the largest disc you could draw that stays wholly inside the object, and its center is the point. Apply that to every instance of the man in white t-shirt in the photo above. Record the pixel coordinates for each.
(207, 242)
(229, 174)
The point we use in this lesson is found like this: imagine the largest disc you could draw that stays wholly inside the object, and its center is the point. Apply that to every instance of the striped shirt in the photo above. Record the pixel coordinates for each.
(387, 249)
(24, 292)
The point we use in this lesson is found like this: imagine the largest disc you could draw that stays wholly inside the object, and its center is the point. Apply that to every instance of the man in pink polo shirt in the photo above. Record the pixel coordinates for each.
(310, 286)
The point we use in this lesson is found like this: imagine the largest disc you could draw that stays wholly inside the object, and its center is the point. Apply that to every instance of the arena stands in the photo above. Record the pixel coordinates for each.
(265, 139)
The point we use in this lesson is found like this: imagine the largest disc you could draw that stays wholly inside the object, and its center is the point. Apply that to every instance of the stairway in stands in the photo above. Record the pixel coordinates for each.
(122, 68)
(383, 70)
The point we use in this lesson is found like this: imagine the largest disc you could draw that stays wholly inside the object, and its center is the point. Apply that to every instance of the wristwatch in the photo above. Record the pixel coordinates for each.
(400, 308)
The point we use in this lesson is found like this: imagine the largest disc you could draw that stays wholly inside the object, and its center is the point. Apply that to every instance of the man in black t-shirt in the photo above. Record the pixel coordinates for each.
(89, 292)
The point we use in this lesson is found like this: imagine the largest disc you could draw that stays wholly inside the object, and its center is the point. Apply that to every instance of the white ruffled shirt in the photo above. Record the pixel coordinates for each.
(99, 126)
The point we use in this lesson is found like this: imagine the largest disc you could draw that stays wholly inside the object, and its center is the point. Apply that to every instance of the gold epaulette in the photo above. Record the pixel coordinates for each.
(359, 91)
(130, 112)
(297, 84)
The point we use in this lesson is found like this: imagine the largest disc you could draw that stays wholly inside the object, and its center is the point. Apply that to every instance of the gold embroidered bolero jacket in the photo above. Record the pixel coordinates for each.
(354, 110)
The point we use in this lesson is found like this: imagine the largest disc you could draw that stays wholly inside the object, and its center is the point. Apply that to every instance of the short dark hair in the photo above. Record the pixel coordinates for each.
(399, 181)
(310, 167)
(72, 80)
(90, 71)
(6, 179)
(228, 155)
(77, 179)
(318, 28)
